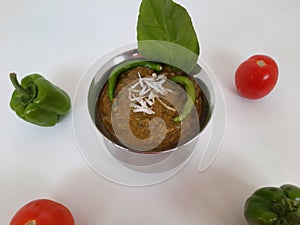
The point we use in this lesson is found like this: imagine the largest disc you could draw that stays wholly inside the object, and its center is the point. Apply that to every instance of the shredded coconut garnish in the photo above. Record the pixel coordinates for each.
(144, 92)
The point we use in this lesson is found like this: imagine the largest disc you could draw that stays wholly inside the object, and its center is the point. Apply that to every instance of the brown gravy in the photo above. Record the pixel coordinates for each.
(139, 121)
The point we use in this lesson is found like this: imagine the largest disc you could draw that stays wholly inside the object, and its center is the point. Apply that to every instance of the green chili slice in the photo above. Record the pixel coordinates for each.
(189, 87)
(125, 66)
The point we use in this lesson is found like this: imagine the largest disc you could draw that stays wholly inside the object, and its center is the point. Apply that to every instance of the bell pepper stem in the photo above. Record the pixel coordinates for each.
(16, 84)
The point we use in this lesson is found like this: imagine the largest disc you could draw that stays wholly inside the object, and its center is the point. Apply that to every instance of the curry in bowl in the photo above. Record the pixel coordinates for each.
(151, 107)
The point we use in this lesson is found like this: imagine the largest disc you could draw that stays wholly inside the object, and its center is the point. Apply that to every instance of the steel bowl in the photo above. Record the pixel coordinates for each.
(147, 161)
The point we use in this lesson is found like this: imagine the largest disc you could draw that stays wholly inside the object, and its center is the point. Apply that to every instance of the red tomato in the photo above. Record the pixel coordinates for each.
(256, 77)
(43, 212)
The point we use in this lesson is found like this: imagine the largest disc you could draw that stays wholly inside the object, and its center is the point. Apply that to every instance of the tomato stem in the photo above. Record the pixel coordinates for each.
(31, 222)
(260, 62)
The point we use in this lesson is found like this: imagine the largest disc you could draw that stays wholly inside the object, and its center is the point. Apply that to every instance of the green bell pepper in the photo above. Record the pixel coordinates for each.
(274, 206)
(38, 101)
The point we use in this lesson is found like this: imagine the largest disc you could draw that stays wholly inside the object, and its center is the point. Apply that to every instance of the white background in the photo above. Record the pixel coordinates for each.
(60, 39)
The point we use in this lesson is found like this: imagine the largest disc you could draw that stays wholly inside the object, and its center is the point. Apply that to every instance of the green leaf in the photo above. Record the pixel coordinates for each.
(165, 33)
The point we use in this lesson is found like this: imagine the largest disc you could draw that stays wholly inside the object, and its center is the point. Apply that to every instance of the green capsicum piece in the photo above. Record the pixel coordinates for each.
(38, 101)
(125, 66)
(274, 206)
(189, 87)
